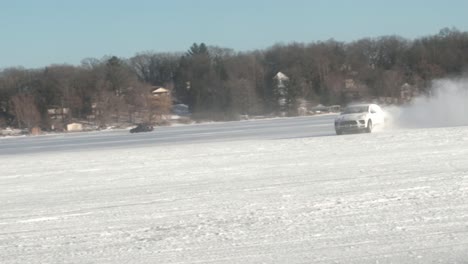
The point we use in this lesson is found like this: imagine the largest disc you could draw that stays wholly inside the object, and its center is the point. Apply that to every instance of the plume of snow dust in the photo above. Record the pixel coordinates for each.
(446, 105)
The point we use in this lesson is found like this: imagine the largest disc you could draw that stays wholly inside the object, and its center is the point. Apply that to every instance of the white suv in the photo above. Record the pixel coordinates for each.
(359, 117)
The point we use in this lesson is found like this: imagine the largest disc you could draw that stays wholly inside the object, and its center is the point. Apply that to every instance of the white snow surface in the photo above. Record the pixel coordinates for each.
(398, 196)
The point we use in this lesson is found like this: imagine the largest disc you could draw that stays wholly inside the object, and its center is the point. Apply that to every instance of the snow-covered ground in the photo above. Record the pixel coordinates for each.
(398, 196)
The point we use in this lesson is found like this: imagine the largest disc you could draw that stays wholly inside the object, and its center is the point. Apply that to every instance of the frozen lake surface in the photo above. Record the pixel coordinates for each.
(267, 191)
(277, 128)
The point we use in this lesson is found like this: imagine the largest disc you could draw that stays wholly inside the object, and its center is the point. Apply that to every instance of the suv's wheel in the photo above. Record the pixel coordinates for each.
(339, 132)
(369, 126)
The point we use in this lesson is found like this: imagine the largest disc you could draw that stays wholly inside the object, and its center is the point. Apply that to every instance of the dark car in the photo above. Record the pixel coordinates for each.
(142, 128)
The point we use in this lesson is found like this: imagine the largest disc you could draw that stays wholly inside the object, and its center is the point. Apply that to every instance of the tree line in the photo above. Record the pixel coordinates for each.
(221, 84)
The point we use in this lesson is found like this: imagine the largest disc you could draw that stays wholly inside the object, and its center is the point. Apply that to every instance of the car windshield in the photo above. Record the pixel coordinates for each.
(355, 109)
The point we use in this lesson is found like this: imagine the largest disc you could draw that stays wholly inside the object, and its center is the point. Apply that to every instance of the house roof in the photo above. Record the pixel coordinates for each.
(281, 76)
(160, 90)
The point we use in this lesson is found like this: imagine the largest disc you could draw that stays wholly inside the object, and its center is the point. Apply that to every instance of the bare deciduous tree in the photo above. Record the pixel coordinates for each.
(25, 110)
(218, 82)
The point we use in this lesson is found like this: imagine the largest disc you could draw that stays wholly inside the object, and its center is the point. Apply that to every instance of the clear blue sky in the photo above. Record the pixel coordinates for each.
(37, 33)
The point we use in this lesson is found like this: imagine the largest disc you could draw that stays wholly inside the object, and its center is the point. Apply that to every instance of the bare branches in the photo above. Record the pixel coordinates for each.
(25, 110)
(219, 82)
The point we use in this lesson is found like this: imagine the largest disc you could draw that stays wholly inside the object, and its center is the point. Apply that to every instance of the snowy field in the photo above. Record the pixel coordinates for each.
(283, 190)
(397, 196)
